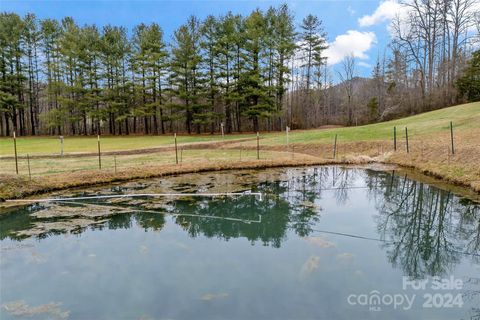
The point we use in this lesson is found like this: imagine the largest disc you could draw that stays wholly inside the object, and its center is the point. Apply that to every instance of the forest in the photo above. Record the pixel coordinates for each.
(233, 73)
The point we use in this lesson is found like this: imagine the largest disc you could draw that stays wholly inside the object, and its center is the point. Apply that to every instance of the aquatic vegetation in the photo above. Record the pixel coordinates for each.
(345, 258)
(312, 264)
(20, 308)
(43, 228)
(213, 296)
(319, 242)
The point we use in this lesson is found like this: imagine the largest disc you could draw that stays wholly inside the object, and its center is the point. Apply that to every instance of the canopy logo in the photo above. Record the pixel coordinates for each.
(436, 294)
(375, 300)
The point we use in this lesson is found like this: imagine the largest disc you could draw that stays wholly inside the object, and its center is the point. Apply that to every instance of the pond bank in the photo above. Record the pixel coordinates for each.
(14, 187)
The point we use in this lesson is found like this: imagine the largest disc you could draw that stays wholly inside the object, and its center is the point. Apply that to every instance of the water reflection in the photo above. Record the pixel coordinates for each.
(424, 230)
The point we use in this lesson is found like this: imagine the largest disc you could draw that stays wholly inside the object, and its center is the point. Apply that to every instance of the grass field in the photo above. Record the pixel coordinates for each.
(49, 166)
(72, 145)
(429, 146)
(464, 117)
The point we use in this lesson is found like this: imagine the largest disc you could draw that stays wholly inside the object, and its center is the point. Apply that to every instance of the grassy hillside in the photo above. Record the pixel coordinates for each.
(429, 152)
(464, 117)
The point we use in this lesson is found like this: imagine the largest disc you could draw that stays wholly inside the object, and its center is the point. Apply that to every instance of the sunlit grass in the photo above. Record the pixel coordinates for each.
(463, 117)
(42, 167)
(51, 145)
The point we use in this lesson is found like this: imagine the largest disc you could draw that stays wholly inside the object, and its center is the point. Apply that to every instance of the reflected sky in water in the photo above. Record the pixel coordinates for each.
(318, 236)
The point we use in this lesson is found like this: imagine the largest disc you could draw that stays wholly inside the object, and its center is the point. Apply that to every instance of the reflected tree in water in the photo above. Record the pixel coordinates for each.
(426, 230)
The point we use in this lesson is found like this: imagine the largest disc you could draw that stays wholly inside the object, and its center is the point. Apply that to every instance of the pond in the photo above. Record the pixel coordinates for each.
(320, 243)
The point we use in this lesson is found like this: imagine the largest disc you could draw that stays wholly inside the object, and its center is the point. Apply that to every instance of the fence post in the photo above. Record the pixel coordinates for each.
(335, 148)
(258, 146)
(176, 148)
(406, 138)
(99, 153)
(61, 146)
(29, 171)
(395, 138)
(287, 130)
(451, 137)
(223, 133)
(15, 149)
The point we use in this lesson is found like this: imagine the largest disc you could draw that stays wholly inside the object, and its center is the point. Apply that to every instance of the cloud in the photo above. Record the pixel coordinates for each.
(352, 42)
(386, 11)
(364, 64)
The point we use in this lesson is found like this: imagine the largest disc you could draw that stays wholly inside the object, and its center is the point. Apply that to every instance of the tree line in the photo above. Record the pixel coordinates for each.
(245, 73)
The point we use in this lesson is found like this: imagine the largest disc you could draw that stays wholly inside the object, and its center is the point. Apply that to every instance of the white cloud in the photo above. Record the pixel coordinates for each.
(364, 64)
(386, 11)
(352, 42)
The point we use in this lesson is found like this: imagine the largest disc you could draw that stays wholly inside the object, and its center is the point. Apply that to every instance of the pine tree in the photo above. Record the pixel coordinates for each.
(32, 41)
(284, 32)
(211, 30)
(72, 78)
(12, 102)
(115, 54)
(51, 32)
(226, 50)
(313, 43)
(469, 84)
(156, 65)
(90, 48)
(253, 81)
(186, 71)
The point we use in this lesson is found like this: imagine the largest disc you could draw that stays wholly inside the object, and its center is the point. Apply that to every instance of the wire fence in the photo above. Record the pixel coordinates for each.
(402, 141)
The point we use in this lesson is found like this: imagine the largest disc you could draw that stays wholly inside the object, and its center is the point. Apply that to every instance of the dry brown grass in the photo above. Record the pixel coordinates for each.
(12, 186)
(429, 154)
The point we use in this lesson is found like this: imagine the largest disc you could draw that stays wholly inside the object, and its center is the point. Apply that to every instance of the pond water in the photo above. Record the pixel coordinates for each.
(321, 243)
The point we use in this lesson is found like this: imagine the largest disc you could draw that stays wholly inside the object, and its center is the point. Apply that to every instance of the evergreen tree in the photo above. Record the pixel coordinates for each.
(12, 102)
(313, 43)
(186, 71)
(115, 54)
(469, 83)
(211, 51)
(258, 103)
(226, 52)
(90, 48)
(51, 31)
(284, 33)
(32, 42)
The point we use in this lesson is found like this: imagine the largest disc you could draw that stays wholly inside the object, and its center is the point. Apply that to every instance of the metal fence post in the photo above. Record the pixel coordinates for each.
(176, 148)
(451, 137)
(406, 138)
(15, 149)
(99, 153)
(335, 148)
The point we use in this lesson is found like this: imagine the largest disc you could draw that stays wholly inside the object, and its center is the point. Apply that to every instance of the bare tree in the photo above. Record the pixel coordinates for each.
(346, 75)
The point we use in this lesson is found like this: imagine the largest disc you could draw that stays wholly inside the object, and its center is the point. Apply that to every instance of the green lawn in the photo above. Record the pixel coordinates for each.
(51, 145)
(465, 116)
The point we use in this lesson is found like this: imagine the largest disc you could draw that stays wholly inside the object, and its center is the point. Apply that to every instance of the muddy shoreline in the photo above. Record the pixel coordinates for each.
(411, 172)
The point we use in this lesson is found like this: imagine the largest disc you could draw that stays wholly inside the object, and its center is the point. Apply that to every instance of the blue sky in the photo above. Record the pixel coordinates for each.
(346, 32)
